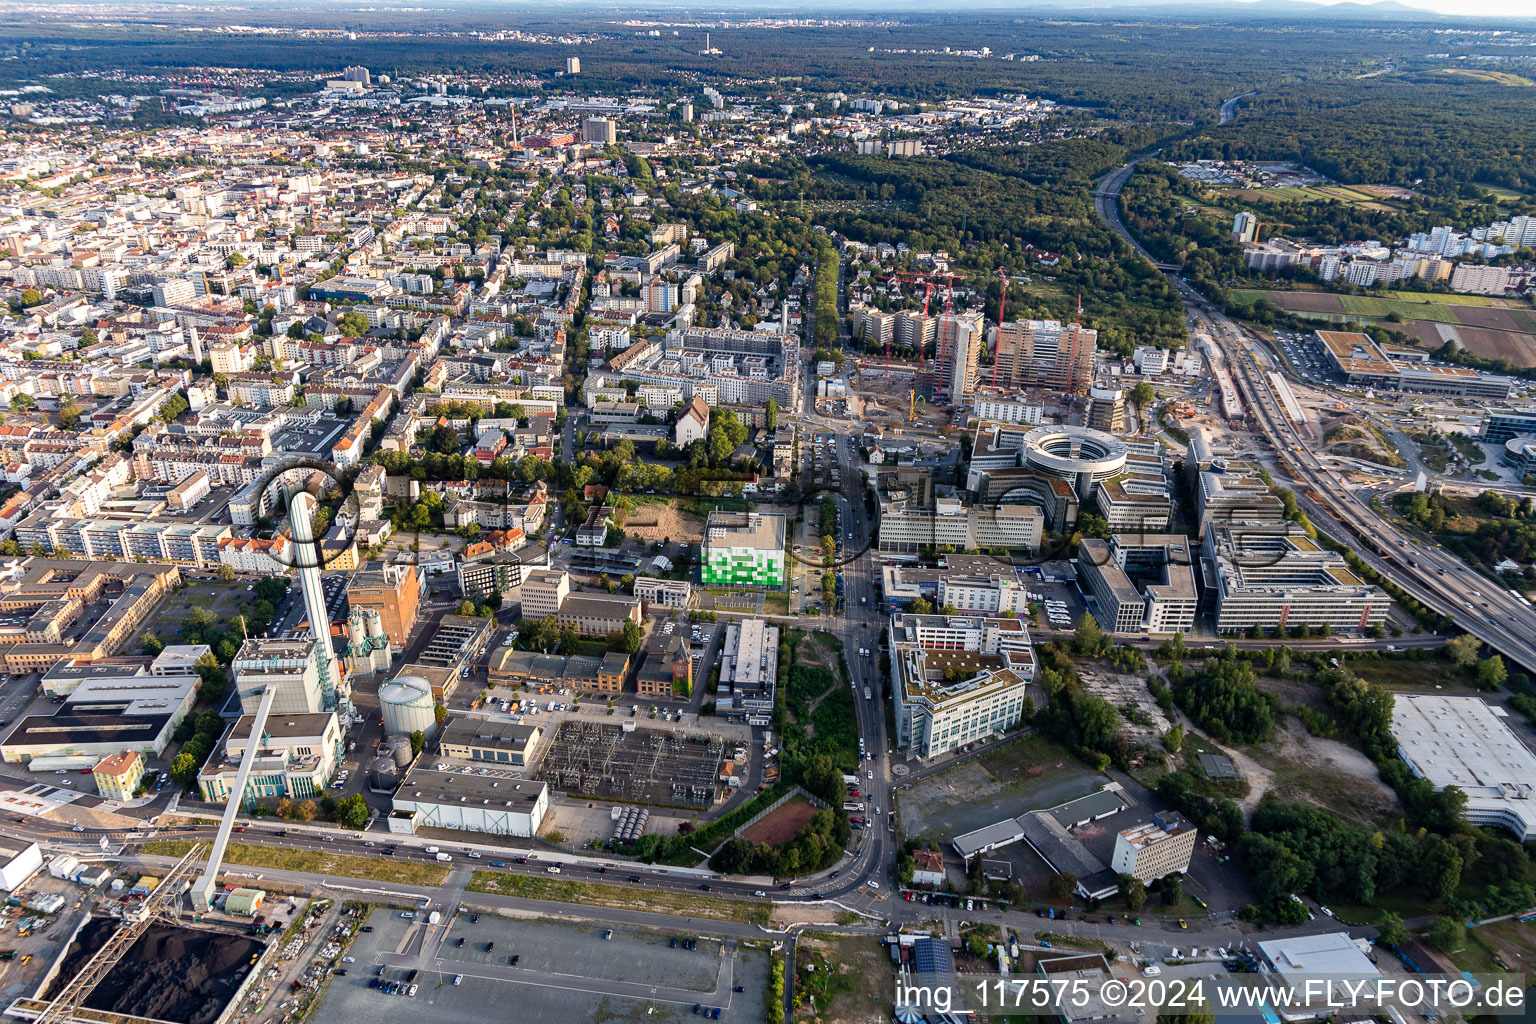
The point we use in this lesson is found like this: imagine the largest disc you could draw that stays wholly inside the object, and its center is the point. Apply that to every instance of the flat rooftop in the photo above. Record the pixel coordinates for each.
(479, 786)
(1461, 741)
(745, 530)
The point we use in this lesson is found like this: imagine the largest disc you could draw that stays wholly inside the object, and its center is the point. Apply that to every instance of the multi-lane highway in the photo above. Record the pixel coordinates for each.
(1425, 571)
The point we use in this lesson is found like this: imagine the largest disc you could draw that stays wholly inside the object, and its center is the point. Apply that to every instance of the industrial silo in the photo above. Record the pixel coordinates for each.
(383, 775)
(406, 704)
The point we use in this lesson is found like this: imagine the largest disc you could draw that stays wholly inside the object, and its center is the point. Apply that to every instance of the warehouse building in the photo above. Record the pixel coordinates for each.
(102, 717)
(18, 863)
(498, 801)
(1464, 742)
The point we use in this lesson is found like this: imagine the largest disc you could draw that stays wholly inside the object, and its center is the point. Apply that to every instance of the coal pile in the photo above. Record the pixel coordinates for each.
(172, 974)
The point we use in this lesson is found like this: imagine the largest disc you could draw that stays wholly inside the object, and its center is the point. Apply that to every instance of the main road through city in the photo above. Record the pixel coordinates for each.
(1425, 571)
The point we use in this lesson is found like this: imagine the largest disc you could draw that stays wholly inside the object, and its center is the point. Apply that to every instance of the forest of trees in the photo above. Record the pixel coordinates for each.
(1433, 133)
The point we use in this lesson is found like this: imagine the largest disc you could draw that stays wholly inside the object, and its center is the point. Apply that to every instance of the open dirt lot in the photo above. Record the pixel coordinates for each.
(1295, 765)
(655, 520)
(852, 981)
(782, 824)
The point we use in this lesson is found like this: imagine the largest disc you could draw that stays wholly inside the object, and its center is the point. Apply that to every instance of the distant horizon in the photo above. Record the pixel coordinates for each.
(1514, 10)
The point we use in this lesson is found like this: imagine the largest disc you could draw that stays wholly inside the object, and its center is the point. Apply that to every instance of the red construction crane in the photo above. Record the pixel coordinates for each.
(927, 281)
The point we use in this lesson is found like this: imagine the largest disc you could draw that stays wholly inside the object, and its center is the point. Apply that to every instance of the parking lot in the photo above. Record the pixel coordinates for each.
(1306, 355)
(564, 972)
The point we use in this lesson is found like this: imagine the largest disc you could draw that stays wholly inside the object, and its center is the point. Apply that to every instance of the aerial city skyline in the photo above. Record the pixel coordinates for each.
(646, 513)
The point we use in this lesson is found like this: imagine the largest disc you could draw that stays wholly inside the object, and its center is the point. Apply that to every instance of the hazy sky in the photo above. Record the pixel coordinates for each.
(1521, 9)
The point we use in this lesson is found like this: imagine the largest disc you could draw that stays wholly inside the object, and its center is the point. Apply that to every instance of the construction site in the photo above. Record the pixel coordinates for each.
(612, 762)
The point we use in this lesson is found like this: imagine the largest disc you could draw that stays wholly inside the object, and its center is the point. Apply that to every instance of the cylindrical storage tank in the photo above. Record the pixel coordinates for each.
(355, 630)
(400, 751)
(406, 704)
(374, 622)
(384, 776)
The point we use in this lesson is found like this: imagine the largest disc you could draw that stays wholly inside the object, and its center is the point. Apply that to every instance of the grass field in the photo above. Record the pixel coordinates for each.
(1480, 75)
(380, 869)
(1394, 674)
(1366, 305)
(852, 980)
(561, 891)
(1318, 194)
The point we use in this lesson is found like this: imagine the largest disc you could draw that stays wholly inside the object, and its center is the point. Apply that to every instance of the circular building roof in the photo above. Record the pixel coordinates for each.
(1068, 451)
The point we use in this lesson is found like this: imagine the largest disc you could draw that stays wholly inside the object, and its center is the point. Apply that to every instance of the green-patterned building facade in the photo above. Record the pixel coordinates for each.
(743, 549)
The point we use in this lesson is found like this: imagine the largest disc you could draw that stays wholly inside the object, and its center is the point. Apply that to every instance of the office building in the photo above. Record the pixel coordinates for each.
(1503, 423)
(1139, 499)
(1463, 742)
(986, 593)
(297, 756)
(118, 775)
(676, 594)
(395, 593)
(907, 527)
(599, 131)
(1140, 583)
(958, 356)
(1273, 576)
(290, 666)
(494, 741)
(743, 549)
(543, 592)
(956, 680)
(598, 614)
(1106, 409)
(500, 573)
(1233, 492)
(1364, 363)
(573, 65)
(1157, 848)
(1045, 354)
